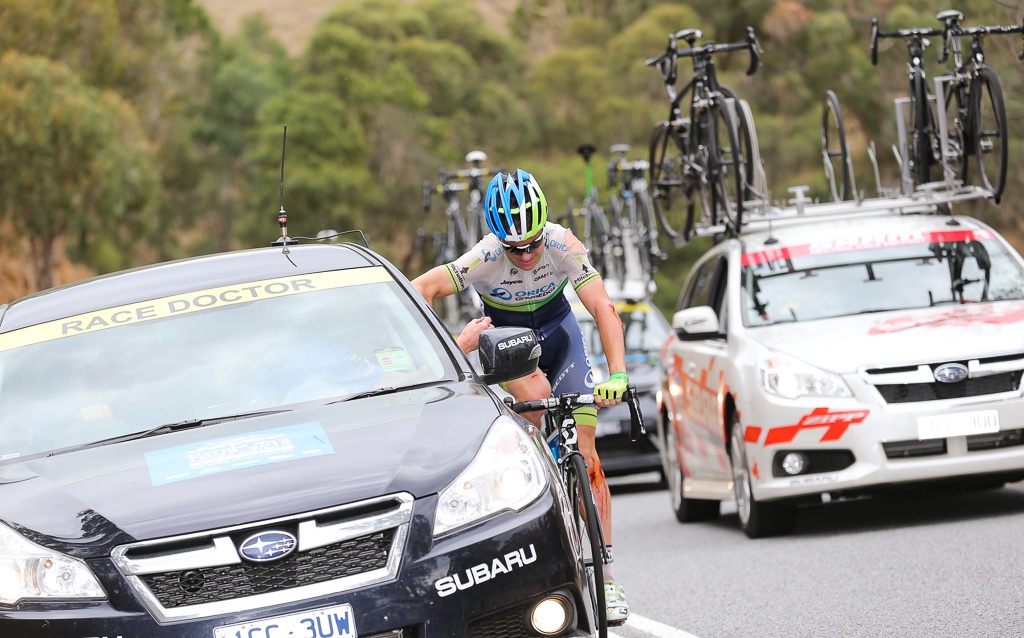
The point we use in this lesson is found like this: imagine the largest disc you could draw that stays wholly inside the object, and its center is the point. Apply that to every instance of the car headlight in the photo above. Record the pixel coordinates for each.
(32, 572)
(507, 474)
(791, 378)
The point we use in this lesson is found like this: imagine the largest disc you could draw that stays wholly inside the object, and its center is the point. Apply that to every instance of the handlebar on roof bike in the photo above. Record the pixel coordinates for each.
(913, 33)
(667, 61)
(563, 404)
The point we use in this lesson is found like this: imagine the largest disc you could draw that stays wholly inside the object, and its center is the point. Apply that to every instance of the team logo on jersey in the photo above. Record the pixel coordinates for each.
(501, 293)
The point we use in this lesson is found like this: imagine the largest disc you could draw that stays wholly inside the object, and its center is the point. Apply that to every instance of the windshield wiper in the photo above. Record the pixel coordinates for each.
(376, 392)
(166, 428)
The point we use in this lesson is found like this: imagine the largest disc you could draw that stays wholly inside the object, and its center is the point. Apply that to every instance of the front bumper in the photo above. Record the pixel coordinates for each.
(871, 448)
(412, 603)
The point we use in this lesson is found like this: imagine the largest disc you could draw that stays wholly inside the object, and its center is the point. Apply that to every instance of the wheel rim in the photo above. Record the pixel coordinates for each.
(740, 478)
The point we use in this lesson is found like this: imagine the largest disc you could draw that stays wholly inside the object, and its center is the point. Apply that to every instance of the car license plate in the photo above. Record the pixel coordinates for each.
(958, 424)
(334, 622)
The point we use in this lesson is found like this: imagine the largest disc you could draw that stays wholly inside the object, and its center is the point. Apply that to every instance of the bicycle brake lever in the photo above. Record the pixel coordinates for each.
(636, 417)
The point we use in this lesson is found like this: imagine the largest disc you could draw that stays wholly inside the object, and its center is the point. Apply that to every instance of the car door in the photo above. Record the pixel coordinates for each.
(697, 374)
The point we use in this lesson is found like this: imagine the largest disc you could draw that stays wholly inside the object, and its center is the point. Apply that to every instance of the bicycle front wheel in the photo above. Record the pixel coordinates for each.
(989, 115)
(726, 170)
(745, 139)
(588, 524)
(919, 133)
(834, 151)
(959, 145)
(671, 203)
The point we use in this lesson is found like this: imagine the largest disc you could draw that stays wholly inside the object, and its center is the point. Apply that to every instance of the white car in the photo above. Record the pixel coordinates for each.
(839, 352)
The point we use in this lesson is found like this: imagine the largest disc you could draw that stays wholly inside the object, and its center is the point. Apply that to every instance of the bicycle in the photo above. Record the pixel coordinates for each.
(834, 151)
(560, 432)
(974, 99)
(633, 215)
(596, 234)
(463, 228)
(699, 155)
(929, 141)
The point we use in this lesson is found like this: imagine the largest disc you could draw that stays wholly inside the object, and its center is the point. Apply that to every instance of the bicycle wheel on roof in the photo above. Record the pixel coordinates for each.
(989, 131)
(671, 203)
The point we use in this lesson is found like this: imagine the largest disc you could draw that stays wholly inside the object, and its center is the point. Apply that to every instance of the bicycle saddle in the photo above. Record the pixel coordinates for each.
(950, 13)
(586, 150)
(690, 35)
(476, 156)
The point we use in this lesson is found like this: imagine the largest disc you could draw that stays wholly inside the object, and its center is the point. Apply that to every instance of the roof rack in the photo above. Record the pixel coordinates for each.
(926, 199)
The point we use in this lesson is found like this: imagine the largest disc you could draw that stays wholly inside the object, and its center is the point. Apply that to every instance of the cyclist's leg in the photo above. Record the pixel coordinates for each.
(569, 371)
(530, 388)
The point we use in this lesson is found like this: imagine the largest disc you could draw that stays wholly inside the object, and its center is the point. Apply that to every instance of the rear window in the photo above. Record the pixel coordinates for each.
(208, 354)
(877, 274)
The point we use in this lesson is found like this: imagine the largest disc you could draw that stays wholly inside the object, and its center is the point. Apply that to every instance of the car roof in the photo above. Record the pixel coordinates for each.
(182, 276)
(823, 229)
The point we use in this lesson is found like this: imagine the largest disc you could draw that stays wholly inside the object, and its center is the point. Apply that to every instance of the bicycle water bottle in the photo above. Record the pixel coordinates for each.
(553, 444)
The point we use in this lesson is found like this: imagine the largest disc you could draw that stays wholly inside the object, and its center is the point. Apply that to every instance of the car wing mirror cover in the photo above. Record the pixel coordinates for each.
(508, 353)
(696, 324)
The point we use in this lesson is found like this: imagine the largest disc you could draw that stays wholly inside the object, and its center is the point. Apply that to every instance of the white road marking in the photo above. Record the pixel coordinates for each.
(652, 627)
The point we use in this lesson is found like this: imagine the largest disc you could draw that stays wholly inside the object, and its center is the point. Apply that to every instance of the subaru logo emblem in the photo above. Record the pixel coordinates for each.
(951, 373)
(267, 546)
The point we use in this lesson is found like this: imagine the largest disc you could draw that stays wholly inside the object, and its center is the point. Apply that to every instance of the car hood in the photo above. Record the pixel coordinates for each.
(415, 441)
(945, 333)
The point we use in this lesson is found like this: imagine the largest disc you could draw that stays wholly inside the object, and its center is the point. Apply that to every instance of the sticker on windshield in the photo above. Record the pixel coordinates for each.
(190, 302)
(229, 453)
(393, 359)
(831, 246)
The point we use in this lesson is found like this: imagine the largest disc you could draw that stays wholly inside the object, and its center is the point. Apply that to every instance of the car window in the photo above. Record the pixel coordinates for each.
(205, 363)
(701, 291)
(803, 283)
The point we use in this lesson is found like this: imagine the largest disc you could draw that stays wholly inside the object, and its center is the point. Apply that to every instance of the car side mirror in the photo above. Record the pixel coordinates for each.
(696, 324)
(507, 353)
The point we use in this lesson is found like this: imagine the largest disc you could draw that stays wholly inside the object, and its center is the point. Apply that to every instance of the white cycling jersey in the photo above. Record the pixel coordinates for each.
(505, 288)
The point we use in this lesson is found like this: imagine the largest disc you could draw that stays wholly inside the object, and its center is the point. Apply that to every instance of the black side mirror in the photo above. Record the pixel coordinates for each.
(508, 353)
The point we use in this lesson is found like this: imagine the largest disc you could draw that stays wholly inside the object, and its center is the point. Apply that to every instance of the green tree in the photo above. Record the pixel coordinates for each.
(74, 161)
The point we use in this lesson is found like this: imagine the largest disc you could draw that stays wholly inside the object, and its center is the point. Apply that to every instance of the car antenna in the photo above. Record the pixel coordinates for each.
(282, 217)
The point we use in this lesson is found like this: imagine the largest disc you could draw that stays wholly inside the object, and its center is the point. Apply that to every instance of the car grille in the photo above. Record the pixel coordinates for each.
(337, 549)
(323, 564)
(915, 384)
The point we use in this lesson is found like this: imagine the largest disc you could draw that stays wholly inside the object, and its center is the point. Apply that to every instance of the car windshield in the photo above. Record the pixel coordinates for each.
(644, 328)
(836, 279)
(194, 363)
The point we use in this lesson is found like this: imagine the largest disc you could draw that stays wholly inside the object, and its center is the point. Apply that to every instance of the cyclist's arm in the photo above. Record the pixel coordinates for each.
(599, 304)
(434, 283)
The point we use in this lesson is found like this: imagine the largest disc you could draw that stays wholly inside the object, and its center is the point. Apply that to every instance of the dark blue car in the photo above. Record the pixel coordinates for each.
(264, 444)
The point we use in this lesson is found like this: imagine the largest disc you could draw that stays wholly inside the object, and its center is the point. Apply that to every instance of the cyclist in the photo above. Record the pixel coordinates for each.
(520, 270)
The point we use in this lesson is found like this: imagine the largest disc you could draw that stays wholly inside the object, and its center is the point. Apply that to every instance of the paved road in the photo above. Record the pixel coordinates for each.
(943, 565)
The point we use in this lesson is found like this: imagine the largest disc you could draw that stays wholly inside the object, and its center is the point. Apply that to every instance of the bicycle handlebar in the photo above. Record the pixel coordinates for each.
(672, 52)
(912, 33)
(564, 403)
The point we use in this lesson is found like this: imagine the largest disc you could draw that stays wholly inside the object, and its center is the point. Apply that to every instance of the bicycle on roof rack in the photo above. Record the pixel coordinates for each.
(596, 234)
(463, 227)
(971, 121)
(560, 433)
(633, 217)
(834, 151)
(699, 157)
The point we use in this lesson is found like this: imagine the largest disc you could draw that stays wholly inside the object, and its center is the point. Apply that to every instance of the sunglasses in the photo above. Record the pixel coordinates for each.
(528, 248)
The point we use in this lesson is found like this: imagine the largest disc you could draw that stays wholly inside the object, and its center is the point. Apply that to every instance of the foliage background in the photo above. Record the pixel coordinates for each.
(177, 136)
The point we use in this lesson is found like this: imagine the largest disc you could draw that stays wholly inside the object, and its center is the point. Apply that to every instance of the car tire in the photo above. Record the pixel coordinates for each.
(757, 519)
(687, 510)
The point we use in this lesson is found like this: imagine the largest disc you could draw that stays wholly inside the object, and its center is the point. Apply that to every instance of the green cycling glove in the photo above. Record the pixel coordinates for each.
(614, 387)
